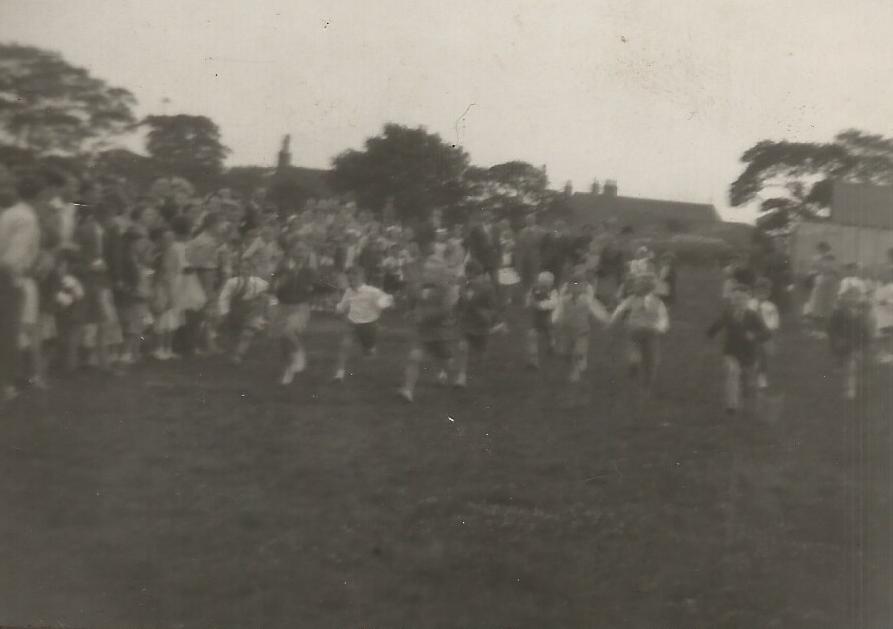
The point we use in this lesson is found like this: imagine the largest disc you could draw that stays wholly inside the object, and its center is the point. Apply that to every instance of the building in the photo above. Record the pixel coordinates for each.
(605, 204)
(860, 228)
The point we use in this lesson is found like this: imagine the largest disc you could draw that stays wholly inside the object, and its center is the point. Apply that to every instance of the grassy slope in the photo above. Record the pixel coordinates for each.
(198, 495)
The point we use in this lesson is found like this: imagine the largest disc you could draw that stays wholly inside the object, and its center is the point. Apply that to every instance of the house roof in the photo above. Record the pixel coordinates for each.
(862, 205)
(588, 208)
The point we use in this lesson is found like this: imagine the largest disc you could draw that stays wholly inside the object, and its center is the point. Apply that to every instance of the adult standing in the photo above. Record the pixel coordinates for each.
(19, 250)
(482, 243)
(529, 251)
(555, 251)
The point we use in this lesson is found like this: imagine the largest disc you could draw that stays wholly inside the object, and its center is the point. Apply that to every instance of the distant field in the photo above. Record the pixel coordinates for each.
(197, 494)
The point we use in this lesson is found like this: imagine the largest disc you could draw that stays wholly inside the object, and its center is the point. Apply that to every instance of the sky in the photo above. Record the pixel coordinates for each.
(661, 96)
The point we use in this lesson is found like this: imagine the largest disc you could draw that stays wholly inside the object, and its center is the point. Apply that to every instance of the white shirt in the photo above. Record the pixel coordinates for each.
(364, 305)
(66, 213)
(248, 289)
(768, 313)
(644, 312)
(19, 238)
(883, 306)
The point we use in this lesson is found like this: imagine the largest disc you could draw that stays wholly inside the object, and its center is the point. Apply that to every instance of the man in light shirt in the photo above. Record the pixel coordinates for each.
(19, 250)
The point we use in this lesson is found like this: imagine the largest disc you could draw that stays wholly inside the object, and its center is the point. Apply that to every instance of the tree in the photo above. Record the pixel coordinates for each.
(140, 171)
(511, 189)
(794, 179)
(46, 104)
(186, 146)
(415, 168)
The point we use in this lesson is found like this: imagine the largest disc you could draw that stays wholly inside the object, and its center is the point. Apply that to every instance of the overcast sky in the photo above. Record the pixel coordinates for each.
(661, 96)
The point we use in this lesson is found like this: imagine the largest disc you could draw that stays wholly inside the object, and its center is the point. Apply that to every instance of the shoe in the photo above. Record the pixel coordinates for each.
(442, 378)
(287, 377)
(461, 381)
(339, 376)
(300, 363)
(405, 394)
(762, 382)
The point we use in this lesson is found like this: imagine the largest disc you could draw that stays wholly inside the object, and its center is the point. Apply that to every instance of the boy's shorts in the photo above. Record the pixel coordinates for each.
(575, 346)
(439, 349)
(644, 347)
(366, 335)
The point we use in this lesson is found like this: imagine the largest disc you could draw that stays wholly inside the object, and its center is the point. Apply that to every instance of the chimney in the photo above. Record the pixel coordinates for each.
(596, 187)
(610, 189)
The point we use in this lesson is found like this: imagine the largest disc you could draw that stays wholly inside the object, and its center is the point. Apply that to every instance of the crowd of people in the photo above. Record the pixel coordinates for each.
(88, 281)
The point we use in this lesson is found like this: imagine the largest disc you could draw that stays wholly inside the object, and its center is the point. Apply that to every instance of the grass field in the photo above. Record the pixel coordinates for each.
(198, 494)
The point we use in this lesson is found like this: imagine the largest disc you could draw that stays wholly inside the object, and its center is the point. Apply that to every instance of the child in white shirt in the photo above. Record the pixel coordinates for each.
(768, 313)
(362, 305)
(243, 304)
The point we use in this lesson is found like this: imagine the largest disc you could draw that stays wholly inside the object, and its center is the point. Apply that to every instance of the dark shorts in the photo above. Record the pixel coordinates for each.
(366, 335)
(477, 342)
(437, 349)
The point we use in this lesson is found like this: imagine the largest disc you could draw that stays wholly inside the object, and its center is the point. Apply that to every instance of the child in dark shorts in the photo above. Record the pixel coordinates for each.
(362, 306)
(476, 311)
(541, 302)
(432, 313)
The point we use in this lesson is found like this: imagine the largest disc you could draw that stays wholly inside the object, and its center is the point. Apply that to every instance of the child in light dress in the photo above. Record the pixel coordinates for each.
(645, 319)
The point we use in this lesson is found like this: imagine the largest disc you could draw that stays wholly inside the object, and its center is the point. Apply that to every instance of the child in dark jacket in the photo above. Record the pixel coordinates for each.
(476, 311)
(849, 331)
(744, 332)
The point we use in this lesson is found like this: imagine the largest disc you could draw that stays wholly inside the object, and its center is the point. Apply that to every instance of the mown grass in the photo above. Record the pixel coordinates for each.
(198, 494)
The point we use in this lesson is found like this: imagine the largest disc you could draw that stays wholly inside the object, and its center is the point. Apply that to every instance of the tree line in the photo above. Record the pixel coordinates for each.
(54, 112)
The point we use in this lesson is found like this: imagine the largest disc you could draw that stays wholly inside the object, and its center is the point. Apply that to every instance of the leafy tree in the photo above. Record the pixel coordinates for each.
(245, 180)
(794, 179)
(186, 146)
(46, 104)
(511, 189)
(413, 167)
(140, 171)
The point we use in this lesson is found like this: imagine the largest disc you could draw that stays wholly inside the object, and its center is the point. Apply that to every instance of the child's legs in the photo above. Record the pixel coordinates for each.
(533, 342)
(462, 356)
(413, 363)
(650, 352)
(733, 383)
(851, 373)
(344, 349)
(579, 357)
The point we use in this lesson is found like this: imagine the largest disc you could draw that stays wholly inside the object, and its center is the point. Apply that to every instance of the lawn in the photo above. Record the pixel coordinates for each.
(197, 494)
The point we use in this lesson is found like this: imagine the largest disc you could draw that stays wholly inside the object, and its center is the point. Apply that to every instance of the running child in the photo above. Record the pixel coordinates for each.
(362, 305)
(849, 332)
(541, 302)
(242, 305)
(576, 308)
(293, 284)
(432, 313)
(645, 317)
(768, 313)
(744, 332)
(476, 311)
